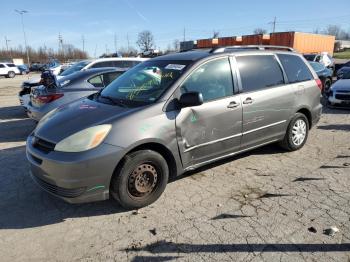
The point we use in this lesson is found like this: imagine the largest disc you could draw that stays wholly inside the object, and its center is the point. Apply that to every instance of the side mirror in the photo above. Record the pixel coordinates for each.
(191, 99)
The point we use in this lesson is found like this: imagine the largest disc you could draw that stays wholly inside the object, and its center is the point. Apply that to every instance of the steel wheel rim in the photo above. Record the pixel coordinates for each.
(142, 180)
(299, 132)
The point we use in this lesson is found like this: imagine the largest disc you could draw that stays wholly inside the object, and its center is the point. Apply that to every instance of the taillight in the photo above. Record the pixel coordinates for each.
(319, 84)
(48, 98)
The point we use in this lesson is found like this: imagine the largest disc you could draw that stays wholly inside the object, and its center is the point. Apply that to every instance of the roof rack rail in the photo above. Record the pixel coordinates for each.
(250, 47)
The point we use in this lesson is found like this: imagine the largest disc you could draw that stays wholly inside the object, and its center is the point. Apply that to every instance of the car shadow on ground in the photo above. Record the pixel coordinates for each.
(12, 112)
(339, 127)
(178, 248)
(16, 130)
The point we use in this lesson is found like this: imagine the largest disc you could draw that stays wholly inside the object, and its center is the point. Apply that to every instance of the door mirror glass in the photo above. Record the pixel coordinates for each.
(191, 99)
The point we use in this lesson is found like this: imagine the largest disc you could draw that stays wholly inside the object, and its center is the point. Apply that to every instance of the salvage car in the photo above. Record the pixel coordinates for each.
(325, 74)
(116, 62)
(339, 93)
(169, 115)
(341, 72)
(70, 88)
(324, 58)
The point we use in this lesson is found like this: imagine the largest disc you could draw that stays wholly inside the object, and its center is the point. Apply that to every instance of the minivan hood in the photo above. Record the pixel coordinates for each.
(76, 116)
(341, 84)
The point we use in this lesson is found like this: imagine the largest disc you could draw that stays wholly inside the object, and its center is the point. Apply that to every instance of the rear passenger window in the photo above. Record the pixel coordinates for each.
(2, 66)
(96, 81)
(259, 72)
(295, 68)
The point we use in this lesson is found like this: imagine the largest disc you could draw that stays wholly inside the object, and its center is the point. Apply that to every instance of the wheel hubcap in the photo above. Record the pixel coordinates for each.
(299, 132)
(142, 180)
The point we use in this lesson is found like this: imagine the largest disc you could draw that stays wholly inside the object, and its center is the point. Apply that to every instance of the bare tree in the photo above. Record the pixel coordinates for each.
(332, 30)
(145, 40)
(216, 34)
(176, 45)
(259, 31)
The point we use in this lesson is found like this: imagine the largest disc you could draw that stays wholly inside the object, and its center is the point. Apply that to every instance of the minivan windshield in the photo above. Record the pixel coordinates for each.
(145, 83)
(75, 68)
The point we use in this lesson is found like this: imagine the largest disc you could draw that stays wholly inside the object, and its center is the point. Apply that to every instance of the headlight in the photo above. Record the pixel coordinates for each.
(84, 140)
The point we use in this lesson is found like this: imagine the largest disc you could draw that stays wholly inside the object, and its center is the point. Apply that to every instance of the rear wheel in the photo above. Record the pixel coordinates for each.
(141, 180)
(11, 74)
(297, 133)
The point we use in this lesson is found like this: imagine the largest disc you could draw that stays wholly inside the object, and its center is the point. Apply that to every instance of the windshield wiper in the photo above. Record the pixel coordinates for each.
(118, 102)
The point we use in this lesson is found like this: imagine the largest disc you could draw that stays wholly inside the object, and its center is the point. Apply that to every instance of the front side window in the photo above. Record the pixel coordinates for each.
(295, 68)
(259, 72)
(145, 83)
(2, 66)
(213, 80)
(11, 65)
(75, 68)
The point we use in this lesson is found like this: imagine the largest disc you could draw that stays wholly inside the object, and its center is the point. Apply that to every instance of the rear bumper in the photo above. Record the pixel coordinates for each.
(74, 177)
(34, 113)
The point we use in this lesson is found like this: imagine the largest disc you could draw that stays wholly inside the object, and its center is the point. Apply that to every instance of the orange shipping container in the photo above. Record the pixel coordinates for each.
(204, 43)
(258, 39)
(227, 41)
(304, 42)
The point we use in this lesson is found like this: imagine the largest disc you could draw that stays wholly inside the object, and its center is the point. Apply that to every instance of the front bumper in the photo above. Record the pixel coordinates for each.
(334, 101)
(74, 177)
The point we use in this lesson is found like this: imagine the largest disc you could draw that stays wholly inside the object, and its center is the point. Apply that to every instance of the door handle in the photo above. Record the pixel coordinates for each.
(233, 104)
(248, 100)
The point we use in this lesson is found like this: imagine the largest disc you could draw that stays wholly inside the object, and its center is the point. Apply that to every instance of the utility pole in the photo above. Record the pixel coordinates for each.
(127, 39)
(83, 39)
(7, 46)
(115, 43)
(21, 13)
(274, 24)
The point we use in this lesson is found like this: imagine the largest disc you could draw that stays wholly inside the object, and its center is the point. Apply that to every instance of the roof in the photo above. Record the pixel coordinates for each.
(189, 56)
(119, 59)
(90, 72)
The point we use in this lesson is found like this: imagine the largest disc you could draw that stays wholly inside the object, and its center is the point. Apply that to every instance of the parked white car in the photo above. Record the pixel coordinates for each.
(339, 93)
(9, 70)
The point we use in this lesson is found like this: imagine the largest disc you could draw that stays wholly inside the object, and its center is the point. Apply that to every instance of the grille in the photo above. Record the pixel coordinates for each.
(342, 97)
(43, 145)
(59, 191)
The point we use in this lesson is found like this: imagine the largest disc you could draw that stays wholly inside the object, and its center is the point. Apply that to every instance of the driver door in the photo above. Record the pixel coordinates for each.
(214, 128)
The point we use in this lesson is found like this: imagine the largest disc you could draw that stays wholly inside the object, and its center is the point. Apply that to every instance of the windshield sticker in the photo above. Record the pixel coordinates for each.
(175, 67)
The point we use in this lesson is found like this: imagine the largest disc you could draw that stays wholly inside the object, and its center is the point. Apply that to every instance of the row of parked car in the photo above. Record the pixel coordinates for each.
(121, 128)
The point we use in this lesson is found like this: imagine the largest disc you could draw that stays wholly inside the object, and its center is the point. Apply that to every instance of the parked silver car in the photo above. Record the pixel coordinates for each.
(172, 114)
(71, 87)
(339, 93)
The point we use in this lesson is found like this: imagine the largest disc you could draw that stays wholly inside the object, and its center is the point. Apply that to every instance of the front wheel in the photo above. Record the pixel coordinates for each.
(11, 74)
(327, 85)
(297, 133)
(141, 180)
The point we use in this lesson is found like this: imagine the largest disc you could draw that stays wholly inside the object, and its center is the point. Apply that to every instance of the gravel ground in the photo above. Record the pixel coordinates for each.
(265, 205)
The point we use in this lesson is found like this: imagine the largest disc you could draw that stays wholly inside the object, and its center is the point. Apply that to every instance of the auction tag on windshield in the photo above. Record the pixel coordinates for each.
(175, 67)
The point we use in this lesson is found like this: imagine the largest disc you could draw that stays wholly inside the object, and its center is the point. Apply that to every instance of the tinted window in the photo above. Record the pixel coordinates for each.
(109, 77)
(295, 68)
(2, 66)
(259, 72)
(96, 81)
(103, 64)
(10, 65)
(213, 80)
(310, 57)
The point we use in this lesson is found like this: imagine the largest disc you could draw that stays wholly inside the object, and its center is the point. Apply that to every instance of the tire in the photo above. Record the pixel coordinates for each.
(327, 85)
(291, 141)
(141, 179)
(11, 74)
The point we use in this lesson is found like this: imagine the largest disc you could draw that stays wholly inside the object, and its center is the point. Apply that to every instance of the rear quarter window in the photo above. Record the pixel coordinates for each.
(259, 72)
(296, 69)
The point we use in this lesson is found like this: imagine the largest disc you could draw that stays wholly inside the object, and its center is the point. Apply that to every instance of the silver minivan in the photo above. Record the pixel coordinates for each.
(172, 114)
